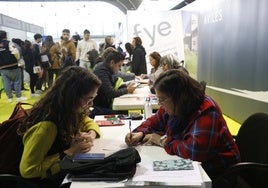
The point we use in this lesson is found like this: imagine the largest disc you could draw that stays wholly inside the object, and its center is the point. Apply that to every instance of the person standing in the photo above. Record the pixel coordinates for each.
(84, 46)
(30, 62)
(56, 58)
(37, 45)
(138, 63)
(10, 72)
(19, 45)
(53, 51)
(68, 49)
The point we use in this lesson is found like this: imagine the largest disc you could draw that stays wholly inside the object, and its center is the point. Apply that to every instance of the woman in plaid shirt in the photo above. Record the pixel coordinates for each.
(189, 124)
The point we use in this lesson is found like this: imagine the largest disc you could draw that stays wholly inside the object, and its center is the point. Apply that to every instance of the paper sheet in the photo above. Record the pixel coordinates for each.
(107, 146)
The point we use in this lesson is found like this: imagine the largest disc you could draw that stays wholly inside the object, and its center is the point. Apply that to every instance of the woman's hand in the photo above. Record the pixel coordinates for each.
(151, 139)
(133, 138)
(82, 143)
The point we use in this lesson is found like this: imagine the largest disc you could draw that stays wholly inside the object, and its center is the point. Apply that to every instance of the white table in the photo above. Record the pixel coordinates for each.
(114, 138)
(134, 101)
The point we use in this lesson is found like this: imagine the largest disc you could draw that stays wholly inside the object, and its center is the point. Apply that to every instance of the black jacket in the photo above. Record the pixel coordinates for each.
(7, 60)
(106, 92)
(138, 63)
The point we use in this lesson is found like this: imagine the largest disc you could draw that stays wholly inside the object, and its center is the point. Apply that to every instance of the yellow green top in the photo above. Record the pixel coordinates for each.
(37, 142)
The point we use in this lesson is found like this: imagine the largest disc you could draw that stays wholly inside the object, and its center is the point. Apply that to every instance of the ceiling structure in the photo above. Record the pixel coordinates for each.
(123, 5)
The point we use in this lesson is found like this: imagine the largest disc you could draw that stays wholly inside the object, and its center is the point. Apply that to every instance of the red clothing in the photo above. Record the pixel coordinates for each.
(204, 137)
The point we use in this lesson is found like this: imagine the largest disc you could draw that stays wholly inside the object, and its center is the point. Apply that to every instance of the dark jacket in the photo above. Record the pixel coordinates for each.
(138, 64)
(30, 60)
(7, 60)
(106, 92)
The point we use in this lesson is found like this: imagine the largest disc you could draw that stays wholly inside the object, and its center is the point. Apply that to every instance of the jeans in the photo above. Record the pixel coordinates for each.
(12, 76)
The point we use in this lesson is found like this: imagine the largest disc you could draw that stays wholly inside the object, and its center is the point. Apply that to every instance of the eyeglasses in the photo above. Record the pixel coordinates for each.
(163, 64)
(162, 101)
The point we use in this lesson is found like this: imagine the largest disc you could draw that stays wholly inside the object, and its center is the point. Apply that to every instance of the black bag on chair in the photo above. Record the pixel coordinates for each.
(118, 166)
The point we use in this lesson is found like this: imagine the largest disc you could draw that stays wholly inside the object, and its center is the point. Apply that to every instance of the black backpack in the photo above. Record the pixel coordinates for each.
(67, 61)
(11, 146)
(118, 166)
(6, 57)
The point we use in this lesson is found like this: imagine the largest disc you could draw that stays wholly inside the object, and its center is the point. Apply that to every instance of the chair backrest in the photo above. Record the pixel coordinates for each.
(252, 141)
(14, 181)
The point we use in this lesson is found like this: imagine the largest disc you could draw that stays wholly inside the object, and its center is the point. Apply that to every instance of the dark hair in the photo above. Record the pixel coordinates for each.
(115, 56)
(18, 41)
(37, 36)
(27, 44)
(157, 57)
(129, 47)
(86, 31)
(61, 102)
(183, 69)
(138, 41)
(186, 93)
(3, 34)
(66, 31)
(48, 43)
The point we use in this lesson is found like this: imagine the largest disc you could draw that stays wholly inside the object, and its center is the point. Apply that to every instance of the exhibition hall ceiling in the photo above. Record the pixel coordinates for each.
(124, 5)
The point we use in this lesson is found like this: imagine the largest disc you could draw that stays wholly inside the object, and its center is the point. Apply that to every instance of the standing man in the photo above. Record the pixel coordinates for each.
(67, 48)
(83, 47)
(10, 72)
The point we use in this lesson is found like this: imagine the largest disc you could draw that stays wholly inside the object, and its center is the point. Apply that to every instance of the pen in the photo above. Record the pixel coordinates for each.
(130, 129)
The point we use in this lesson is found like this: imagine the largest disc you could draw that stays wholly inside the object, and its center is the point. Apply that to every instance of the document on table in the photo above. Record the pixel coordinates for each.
(146, 173)
(107, 146)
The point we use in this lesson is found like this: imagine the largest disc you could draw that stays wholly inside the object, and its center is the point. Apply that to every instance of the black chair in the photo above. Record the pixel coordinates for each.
(15, 181)
(252, 141)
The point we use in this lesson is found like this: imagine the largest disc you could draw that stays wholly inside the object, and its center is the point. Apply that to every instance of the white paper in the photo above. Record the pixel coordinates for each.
(107, 146)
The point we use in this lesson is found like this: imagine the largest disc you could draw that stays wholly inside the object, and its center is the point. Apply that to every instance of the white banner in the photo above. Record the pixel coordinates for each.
(160, 31)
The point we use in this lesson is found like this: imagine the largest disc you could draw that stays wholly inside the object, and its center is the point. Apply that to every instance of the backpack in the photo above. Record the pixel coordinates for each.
(118, 166)
(45, 59)
(11, 145)
(7, 59)
(67, 61)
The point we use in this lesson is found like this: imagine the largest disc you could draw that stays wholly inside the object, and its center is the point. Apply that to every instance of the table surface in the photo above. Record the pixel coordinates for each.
(112, 139)
(136, 100)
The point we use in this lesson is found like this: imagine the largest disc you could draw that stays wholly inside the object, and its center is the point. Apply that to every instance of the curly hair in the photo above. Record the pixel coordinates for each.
(62, 101)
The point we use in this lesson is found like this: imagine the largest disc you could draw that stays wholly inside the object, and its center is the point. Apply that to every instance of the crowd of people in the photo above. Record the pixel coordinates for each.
(188, 123)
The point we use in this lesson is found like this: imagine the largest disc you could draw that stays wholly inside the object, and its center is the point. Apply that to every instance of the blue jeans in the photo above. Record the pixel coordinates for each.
(12, 76)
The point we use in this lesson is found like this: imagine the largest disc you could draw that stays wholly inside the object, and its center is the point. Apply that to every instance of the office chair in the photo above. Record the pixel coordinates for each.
(252, 141)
